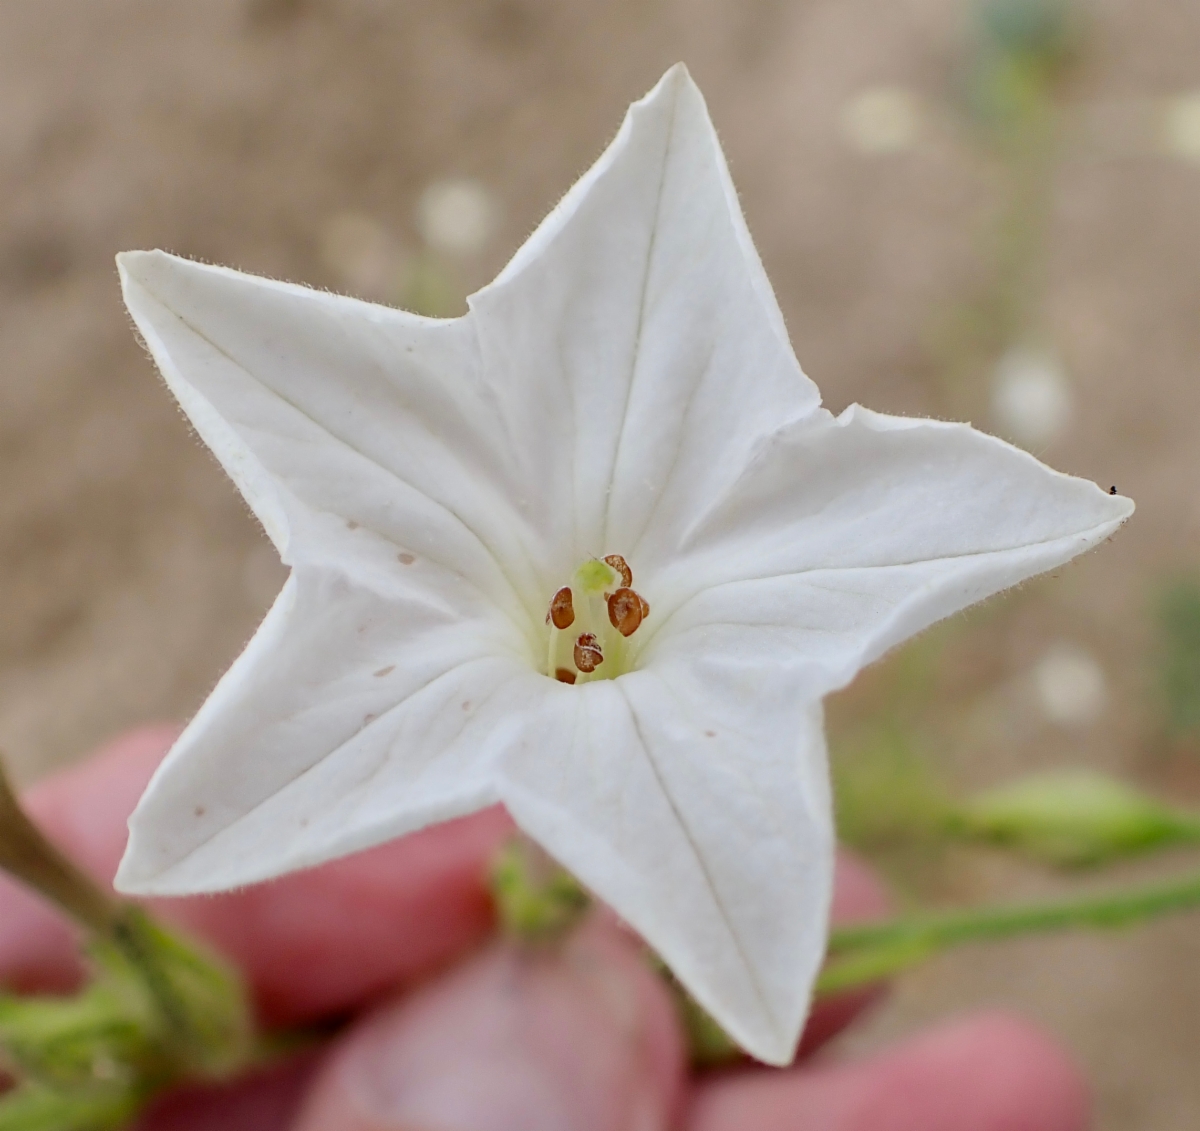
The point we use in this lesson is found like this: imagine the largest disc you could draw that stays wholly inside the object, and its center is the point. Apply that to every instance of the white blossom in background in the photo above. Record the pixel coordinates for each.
(456, 216)
(1070, 684)
(1031, 397)
(593, 550)
(1181, 126)
(881, 119)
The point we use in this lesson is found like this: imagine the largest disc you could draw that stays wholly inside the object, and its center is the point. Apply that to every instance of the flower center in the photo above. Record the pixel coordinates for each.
(590, 620)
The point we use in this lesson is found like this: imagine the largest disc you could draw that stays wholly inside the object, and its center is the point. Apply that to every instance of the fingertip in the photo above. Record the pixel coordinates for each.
(1027, 1068)
(992, 1072)
(581, 1036)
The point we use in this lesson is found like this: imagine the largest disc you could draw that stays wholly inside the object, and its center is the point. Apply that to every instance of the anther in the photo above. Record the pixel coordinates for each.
(564, 675)
(588, 656)
(621, 566)
(645, 606)
(562, 609)
(625, 611)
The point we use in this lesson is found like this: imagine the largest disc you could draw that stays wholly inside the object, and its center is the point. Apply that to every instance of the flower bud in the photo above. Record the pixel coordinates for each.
(1073, 818)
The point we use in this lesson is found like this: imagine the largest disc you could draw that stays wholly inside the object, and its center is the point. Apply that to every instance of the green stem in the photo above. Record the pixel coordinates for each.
(863, 954)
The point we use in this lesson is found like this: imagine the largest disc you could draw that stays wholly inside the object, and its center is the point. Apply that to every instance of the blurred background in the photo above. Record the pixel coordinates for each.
(971, 209)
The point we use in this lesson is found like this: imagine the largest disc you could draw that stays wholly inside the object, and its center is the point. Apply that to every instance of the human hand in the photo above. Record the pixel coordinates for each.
(450, 1032)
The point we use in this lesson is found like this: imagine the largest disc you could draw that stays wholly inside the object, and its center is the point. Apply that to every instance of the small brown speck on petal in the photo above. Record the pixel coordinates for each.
(385, 671)
(405, 559)
(199, 811)
(564, 675)
(562, 608)
(618, 563)
(351, 525)
(711, 733)
(625, 611)
(588, 654)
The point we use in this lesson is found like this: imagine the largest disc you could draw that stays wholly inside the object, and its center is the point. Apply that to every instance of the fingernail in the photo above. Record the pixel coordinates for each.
(580, 1038)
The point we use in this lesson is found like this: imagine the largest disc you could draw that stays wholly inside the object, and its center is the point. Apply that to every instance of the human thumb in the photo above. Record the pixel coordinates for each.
(578, 1037)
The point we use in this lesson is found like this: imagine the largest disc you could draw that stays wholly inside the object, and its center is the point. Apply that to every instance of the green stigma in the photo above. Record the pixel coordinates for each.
(594, 577)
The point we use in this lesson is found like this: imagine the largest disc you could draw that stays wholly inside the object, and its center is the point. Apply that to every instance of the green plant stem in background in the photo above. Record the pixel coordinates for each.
(26, 854)
(864, 954)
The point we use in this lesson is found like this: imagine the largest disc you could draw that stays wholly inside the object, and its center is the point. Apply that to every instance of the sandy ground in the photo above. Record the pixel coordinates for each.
(238, 132)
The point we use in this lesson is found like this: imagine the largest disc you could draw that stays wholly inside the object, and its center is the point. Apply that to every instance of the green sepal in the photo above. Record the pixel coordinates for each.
(79, 1043)
(34, 1108)
(199, 1005)
(156, 1011)
(536, 899)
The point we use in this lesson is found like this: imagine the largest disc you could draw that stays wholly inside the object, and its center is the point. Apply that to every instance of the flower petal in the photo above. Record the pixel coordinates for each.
(694, 801)
(847, 536)
(634, 346)
(317, 403)
(369, 704)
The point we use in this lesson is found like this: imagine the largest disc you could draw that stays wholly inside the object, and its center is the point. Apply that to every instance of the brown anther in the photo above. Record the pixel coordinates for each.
(645, 606)
(564, 675)
(625, 611)
(588, 656)
(562, 609)
(618, 563)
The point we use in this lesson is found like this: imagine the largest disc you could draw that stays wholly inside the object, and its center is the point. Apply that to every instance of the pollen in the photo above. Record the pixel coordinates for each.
(562, 609)
(621, 567)
(588, 654)
(564, 675)
(625, 611)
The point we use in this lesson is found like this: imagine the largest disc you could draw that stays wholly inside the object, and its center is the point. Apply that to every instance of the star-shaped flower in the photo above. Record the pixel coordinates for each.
(593, 550)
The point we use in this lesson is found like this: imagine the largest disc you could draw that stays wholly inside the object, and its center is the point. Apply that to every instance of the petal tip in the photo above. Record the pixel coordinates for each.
(135, 264)
(132, 877)
(677, 82)
(147, 269)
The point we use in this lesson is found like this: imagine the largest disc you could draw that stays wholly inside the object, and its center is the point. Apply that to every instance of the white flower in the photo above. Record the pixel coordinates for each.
(1070, 684)
(1031, 397)
(881, 119)
(624, 387)
(456, 216)
(1181, 126)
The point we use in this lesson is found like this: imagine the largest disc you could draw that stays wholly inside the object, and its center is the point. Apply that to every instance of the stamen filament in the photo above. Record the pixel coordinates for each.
(552, 651)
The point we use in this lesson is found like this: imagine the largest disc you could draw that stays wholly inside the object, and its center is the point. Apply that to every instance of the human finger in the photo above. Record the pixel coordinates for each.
(581, 1036)
(989, 1073)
